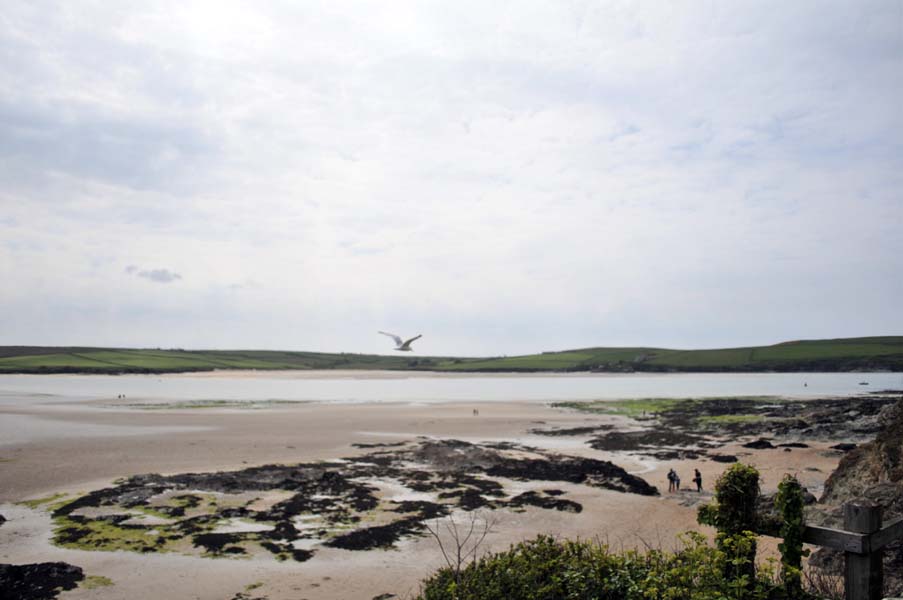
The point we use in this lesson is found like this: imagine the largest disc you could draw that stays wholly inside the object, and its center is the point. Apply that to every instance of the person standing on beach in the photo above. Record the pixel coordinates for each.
(697, 479)
(676, 482)
(671, 477)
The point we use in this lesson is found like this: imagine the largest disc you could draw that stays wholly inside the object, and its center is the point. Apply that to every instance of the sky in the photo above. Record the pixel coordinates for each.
(502, 177)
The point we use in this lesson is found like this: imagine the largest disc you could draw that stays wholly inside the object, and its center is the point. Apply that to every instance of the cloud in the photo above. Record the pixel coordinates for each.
(505, 178)
(155, 275)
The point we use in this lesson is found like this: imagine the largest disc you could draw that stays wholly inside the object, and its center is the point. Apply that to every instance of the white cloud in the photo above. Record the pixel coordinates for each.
(155, 275)
(502, 179)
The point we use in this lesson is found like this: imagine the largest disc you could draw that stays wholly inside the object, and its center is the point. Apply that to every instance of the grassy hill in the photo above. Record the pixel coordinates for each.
(849, 354)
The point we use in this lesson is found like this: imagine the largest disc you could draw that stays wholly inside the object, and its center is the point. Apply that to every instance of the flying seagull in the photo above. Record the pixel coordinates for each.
(401, 345)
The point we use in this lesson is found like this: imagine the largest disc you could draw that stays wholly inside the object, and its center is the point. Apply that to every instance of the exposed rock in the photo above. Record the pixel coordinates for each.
(532, 498)
(338, 496)
(844, 447)
(644, 440)
(381, 536)
(687, 429)
(723, 458)
(863, 467)
(572, 430)
(872, 471)
(759, 444)
(38, 581)
(383, 445)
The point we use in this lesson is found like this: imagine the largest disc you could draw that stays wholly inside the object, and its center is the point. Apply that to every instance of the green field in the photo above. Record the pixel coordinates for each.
(850, 354)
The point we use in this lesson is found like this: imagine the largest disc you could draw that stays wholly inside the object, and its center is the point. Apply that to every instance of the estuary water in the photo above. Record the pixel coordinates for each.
(367, 387)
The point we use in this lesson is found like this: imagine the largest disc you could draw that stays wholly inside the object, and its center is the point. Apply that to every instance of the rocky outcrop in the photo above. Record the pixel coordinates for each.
(872, 471)
(873, 464)
(38, 581)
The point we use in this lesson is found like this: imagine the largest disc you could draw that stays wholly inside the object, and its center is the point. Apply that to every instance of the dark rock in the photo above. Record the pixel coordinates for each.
(723, 458)
(382, 536)
(675, 454)
(427, 510)
(845, 447)
(460, 473)
(532, 498)
(38, 581)
(384, 445)
(215, 542)
(631, 441)
(468, 499)
(759, 444)
(598, 473)
(572, 430)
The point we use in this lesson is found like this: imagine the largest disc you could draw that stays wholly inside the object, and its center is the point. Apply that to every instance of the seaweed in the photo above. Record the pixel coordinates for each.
(532, 498)
(38, 581)
(336, 495)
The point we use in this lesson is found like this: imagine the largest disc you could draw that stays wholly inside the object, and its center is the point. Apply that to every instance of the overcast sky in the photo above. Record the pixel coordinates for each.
(501, 177)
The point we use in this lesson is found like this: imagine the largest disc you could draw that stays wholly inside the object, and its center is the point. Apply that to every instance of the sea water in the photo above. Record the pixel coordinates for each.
(364, 387)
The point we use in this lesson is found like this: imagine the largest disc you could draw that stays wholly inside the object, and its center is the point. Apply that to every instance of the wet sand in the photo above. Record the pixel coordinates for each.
(77, 447)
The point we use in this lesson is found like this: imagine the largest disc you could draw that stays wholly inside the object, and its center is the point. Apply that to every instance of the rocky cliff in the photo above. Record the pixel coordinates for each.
(873, 471)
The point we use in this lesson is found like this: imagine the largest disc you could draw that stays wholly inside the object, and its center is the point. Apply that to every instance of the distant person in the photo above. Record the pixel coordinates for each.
(672, 477)
(697, 479)
(676, 482)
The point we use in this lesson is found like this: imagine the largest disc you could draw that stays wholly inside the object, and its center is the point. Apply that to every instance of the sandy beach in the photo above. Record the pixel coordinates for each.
(51, 447)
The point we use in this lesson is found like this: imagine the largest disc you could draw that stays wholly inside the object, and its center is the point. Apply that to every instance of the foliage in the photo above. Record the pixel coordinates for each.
(733, 514)
(789, 502)
(546, 569)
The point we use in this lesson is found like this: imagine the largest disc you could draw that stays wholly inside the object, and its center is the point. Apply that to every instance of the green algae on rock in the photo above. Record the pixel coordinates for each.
(353, 504)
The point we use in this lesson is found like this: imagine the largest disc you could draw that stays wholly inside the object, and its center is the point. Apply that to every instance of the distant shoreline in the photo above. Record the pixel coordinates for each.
(371, 373)
(847, 355)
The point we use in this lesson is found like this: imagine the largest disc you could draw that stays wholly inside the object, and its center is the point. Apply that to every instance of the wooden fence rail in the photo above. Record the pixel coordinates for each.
(862, 542)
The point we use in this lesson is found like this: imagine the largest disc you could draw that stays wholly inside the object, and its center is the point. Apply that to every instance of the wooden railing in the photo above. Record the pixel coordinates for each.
(861, 541)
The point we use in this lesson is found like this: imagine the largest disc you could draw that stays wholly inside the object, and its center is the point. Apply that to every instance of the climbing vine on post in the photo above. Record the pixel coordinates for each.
(733, 514)
(789, 502)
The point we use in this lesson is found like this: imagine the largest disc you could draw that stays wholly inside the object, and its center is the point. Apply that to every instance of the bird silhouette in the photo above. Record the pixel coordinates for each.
(401, 345)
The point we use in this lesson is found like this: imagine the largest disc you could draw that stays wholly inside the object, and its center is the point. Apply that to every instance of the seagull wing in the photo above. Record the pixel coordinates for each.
(407, 344)
(398, 341)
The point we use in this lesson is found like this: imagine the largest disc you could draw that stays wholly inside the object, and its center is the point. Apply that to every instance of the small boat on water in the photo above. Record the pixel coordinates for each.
(863, 383)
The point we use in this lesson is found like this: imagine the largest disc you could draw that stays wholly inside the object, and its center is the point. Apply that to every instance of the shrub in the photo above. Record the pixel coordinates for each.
(733, 514)
(546, 569)
(789, 502)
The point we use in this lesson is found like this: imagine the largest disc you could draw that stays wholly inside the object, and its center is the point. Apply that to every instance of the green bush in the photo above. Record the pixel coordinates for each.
(789, 502)
(546, 569)
(733, 514)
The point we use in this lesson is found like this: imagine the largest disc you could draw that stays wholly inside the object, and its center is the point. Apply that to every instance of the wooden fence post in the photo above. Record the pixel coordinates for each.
(864, 572)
